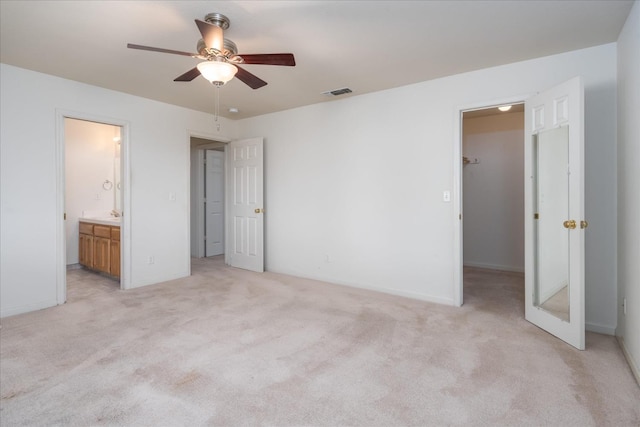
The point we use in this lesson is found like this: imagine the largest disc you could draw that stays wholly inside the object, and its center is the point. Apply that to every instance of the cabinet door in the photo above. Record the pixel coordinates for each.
(115, 258)
(86, 250)
(101, 255)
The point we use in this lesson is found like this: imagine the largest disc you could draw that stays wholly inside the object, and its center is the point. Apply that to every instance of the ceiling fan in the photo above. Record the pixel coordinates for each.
(221, 57)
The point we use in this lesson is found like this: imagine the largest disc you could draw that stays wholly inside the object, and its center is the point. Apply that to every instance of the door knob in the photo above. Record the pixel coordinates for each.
(584, 224)
(570, 224)
(258, 210)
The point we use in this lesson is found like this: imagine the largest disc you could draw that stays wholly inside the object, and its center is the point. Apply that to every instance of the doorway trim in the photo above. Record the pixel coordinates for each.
(125, 257)
(458, 277)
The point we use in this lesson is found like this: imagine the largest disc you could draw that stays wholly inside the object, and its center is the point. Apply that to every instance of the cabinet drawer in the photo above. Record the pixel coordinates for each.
(115, 233)
(86, 228)
(102, 231)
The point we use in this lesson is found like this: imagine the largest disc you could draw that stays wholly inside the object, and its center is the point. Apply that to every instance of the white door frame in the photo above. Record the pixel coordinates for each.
(125, 225)
(458, 279)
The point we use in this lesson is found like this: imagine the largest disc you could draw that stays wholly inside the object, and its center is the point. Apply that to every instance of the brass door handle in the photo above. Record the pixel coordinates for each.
(258, 210)
(570, 224)
(584, 224)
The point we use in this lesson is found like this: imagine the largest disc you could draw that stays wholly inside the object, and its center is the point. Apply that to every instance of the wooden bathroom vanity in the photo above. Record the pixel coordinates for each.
(99, 246)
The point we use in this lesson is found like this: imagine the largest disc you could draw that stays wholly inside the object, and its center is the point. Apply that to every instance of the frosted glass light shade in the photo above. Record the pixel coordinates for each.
(217, 72)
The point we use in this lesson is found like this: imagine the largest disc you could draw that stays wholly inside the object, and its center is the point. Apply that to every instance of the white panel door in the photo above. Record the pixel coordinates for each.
(214, 203)
(244, 190)
(554, 211)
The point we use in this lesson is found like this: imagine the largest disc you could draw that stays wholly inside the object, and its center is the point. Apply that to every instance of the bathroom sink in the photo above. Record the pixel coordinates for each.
(104, 220)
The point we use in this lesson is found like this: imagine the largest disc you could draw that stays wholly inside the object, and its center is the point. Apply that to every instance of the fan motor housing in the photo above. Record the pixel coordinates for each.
(218, 20)
(230, 48)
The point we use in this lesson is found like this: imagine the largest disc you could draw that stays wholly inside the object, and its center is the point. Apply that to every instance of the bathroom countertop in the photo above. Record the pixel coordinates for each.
(115, 221)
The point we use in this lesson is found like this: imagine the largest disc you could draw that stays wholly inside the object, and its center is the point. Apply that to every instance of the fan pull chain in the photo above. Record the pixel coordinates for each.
(216, 108)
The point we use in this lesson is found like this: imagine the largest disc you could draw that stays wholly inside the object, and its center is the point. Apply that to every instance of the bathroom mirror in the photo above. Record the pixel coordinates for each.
(551, 230)
(117, 193)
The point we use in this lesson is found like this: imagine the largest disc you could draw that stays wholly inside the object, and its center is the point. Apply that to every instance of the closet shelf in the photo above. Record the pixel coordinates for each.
(468, 161)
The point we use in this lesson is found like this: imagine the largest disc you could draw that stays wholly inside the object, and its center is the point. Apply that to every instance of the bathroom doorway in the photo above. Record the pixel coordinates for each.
(93, 203)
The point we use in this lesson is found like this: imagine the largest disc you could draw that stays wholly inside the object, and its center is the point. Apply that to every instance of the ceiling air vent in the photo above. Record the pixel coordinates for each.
(337, 92)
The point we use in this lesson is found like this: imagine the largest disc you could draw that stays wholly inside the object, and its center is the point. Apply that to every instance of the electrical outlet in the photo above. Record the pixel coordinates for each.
(151, 260)
(624, 306)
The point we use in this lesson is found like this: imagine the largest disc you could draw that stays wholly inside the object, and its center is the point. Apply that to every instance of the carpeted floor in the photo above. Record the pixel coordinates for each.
(227, 347)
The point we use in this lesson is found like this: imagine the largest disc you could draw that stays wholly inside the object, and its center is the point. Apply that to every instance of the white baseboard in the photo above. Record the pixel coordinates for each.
(494, 266)
(632, 363)
(147, 281)
(12, 311)
(406, 294)
(600, 329)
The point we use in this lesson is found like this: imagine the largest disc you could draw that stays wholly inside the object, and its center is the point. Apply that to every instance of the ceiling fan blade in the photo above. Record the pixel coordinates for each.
(270, 59)
(211, 34)
(254, 82)
(159, 49)
(188, 76)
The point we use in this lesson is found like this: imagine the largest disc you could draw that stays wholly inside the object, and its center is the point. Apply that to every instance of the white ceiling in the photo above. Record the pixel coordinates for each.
(364, 45)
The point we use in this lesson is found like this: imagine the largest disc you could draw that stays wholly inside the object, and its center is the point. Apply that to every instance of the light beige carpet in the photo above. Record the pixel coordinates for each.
(227, 347)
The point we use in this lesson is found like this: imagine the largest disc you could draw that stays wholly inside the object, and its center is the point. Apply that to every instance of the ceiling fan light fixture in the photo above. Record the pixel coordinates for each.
(217, 72)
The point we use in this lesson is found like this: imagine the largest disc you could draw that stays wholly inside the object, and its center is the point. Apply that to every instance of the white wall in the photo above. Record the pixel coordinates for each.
(629, 186)
(493, 191)
(354, 187)
(158, 144)
(90, 153)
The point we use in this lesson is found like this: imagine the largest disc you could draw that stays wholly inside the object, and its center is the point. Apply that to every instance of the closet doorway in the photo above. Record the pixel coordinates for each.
(492, 177)
(207, 197)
